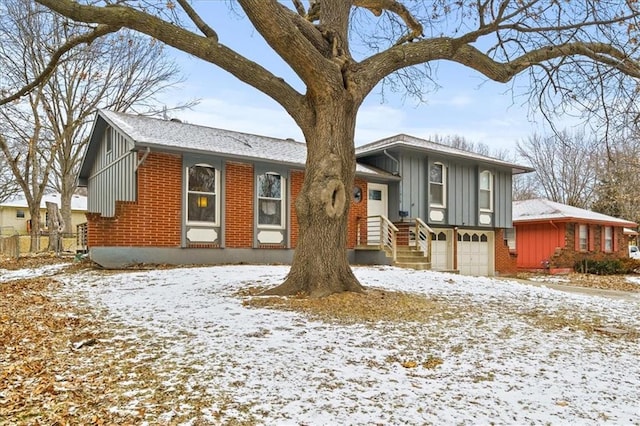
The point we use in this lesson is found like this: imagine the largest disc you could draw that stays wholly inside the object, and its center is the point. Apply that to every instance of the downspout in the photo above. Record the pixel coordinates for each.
(396, 173)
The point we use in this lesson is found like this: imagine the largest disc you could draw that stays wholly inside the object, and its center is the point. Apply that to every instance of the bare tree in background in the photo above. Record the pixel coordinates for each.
(122, 71)
(617, 192)
(8, 185)
(525, 187)
(562, 45)
(566, 166)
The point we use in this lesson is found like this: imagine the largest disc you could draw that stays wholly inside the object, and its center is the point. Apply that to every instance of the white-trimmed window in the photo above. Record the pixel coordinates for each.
(583, 237)
(486, 191)
(202, 194)
(20, 214)
(271, 200)
(608, 239)
(437, 184)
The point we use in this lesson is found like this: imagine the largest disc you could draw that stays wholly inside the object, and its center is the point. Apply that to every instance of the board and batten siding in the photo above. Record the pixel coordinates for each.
(113, 175)
(462, 188)
(502, 198)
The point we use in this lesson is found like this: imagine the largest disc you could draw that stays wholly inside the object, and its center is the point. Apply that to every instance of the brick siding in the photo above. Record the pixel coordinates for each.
(505, 261)
(154, 220)
(238, 205)
(151, 221)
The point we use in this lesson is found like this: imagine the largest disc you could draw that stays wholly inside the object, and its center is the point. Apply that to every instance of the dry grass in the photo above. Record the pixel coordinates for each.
(372, 306)
(61, 364)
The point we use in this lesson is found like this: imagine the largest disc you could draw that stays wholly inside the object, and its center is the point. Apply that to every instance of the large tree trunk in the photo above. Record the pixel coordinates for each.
(66, 194)
(320, 265)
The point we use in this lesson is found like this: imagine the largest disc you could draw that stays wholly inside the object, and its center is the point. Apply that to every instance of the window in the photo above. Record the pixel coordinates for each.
(108, 142)
(486, 191)
(20, 214)
(583, 237)
(270, 200)
(437, 185)
(202, 188)
(608, 239)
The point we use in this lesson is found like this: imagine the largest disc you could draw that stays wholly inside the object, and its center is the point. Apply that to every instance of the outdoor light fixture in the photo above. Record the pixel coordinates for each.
(202, 201)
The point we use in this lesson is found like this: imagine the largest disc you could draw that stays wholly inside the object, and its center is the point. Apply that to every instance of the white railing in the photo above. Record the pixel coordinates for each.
(378, 231)
(422, 235)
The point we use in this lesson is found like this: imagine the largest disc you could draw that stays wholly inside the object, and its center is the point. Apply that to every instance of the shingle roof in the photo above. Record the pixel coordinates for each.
(183, 137)
(541, 209)
(406, 141)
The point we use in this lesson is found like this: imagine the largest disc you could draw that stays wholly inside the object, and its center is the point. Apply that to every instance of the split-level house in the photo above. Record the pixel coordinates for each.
(162, 191)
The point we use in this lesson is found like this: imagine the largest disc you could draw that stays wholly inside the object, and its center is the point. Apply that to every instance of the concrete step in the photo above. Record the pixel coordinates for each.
(419, 266)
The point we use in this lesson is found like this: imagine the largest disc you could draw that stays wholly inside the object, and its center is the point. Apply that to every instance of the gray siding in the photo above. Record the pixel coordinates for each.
(462, 194)
(413, 186)
(503, 199)
(113, 175)
(462, 189)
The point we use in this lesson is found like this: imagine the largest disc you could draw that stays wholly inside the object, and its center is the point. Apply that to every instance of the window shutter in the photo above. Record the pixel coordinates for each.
(591, 232)
(615, 239)
(576, 237)
(602, 237)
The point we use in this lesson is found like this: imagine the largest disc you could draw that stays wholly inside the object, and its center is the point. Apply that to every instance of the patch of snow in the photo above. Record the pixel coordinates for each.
(276, 367)
(42, 271)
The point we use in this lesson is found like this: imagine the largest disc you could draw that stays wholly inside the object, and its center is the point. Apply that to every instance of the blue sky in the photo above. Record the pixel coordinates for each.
(467, 104)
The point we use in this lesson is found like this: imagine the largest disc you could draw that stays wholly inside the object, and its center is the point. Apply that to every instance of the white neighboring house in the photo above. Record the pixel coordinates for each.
(15, 217)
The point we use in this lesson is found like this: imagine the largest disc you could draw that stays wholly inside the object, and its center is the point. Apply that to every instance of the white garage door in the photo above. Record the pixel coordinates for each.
(441, 250)
(475, 252)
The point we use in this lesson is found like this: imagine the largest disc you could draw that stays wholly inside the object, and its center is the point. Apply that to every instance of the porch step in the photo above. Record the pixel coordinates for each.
(419, 266)
(411, 258)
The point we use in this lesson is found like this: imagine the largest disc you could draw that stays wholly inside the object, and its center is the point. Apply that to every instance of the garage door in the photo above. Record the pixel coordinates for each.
(440, 250)
(475, 252)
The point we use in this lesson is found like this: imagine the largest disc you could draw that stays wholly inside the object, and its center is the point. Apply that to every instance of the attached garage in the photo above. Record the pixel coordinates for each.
(442, 250)
(475, 252)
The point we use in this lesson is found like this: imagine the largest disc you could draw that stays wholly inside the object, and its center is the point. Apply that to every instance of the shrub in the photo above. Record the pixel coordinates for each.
(605, 267)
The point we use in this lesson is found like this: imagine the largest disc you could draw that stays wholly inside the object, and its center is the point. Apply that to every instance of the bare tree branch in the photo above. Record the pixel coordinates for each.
(99, 31)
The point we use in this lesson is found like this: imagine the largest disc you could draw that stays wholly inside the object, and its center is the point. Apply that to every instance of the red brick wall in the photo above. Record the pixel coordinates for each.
(239, 210)
(357, 211)
(297, 177)
(567, 257)
(151, 221)
(154, 220)
(505, 261)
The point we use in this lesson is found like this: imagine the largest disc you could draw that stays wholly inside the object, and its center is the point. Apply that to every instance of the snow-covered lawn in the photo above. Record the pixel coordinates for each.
(496, 362)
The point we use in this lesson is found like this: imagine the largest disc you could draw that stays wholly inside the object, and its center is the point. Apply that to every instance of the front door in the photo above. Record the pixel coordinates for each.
(376, 206)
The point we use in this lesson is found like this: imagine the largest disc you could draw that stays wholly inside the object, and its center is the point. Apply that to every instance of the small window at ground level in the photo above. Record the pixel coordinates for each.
(20, 214)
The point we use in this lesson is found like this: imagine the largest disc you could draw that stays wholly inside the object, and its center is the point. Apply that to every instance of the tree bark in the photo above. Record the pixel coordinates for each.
(320, 264)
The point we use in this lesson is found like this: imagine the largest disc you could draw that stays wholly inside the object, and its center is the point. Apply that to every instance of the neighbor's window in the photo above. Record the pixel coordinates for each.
(608, 239)
(202, 184)
(270, 200)
(486, 191)
(20, 214)
(583, 235)
(437, 184)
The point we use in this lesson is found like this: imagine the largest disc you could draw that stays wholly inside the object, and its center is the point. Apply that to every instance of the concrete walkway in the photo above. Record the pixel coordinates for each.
(612, 294)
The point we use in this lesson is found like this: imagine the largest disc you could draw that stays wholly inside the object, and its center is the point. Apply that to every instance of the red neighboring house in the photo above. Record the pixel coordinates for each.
(555, 236)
